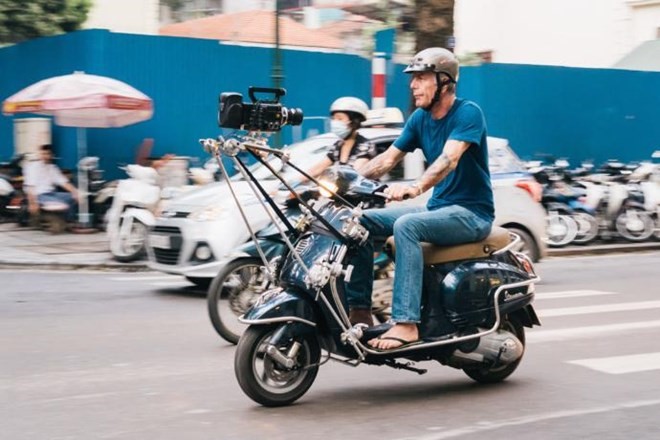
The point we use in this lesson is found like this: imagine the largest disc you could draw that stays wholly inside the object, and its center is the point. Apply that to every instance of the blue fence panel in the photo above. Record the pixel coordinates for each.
(580, 114)
(184, 78)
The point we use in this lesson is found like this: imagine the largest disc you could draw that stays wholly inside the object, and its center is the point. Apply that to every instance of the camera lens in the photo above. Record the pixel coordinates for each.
(292, 116)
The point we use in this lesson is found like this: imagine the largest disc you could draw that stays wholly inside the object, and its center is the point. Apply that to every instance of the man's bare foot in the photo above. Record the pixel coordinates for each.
(399, 335)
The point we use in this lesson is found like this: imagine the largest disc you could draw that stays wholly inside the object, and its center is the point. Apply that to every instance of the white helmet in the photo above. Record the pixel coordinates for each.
(350, 104)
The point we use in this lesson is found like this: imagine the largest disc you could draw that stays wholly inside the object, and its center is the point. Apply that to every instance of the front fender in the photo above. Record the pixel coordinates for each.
(633, 204)
(142, 215)
(279, 305)
(271, 248)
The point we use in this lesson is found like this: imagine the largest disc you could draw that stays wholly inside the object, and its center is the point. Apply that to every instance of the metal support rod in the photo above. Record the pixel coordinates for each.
(245, 220)
(242, 170)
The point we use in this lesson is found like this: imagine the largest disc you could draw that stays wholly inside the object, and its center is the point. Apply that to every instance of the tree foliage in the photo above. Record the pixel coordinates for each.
(22, 20)
(434, 24)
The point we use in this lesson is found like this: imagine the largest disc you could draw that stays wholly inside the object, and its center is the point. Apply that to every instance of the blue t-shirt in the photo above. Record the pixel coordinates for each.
(469, 184)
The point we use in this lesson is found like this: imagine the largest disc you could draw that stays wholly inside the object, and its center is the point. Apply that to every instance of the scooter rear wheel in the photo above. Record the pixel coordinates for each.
(266, 381)
(498, 374)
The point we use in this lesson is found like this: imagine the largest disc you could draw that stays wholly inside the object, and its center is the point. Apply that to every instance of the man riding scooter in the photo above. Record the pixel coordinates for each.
(452, 135)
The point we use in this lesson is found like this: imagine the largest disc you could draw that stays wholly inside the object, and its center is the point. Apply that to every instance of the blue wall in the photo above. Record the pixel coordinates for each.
(183, 77)
(579, 114)
(575, 113)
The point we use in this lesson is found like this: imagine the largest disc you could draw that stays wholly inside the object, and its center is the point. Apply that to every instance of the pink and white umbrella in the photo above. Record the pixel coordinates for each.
(83, 101)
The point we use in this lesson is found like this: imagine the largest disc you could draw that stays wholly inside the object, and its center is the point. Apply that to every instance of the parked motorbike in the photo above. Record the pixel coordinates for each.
(562, 227)
(243, 278)
(11, 189)
(619, 206)
(476, 302)
(648, 178)
(131, 212)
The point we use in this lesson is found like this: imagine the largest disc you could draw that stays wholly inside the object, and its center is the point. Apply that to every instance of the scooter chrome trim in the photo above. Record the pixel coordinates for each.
(458, 339)
(513, 243)
(276, 320)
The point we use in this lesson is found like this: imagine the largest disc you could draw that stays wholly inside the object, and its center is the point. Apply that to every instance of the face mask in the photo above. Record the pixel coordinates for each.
(340, 128)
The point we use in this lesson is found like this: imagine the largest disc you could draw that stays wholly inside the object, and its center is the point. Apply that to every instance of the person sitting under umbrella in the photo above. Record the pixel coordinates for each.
(40, 179)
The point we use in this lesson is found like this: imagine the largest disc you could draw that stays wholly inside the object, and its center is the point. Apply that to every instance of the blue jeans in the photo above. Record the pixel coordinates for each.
(61, 197)
(410, 226)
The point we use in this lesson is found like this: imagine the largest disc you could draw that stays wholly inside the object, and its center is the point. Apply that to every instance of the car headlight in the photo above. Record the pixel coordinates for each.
(206, 214)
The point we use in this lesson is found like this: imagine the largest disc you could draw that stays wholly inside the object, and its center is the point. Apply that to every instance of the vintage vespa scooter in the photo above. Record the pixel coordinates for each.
(476, 297)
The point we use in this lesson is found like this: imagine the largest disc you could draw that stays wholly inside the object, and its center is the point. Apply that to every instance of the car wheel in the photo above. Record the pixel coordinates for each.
(528, 245)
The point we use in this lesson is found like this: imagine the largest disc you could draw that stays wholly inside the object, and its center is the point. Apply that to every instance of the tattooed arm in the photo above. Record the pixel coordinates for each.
(381, 164)
(438, 170)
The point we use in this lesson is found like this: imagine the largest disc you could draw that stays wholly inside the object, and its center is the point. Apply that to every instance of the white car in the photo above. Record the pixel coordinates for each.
(200, 228)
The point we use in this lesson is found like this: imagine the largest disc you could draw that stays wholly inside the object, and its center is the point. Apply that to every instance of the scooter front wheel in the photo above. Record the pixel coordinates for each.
(263, 377)
(233, 291)
(129, 245)
(635, 224)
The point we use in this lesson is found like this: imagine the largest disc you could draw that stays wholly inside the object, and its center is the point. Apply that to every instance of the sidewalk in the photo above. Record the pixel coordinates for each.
(29, 247)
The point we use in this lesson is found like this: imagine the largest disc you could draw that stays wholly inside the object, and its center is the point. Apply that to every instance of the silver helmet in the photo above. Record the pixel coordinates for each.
(435, 59)
(350, 104)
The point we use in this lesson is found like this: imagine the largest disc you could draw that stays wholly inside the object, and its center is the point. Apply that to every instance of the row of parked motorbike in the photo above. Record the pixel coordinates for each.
(124, 208)
(612, 202)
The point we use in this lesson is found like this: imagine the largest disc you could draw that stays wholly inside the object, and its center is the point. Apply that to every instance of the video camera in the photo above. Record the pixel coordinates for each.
(260, 115)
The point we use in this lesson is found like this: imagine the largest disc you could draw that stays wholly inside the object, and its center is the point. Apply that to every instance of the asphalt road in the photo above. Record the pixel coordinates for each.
(132, 356)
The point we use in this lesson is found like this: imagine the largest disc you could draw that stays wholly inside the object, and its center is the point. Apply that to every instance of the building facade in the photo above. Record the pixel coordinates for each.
(128, 16)
(578, 33)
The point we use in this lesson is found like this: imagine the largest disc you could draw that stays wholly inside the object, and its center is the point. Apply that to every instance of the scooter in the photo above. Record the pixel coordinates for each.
(131, 212)
(476, 301)
(242, 279)
(619, 207)
(11, 191)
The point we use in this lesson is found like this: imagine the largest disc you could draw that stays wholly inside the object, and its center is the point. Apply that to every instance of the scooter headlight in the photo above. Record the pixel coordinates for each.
(206, 214)
(326, 188)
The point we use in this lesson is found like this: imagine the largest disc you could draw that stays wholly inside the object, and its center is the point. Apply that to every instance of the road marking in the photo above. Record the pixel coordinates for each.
(622, 364)
(486, 425)
(572, 294)
(602, 308)
(587, 332)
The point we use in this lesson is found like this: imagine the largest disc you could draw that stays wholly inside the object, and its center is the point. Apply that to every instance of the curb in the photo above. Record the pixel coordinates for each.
(105, 267)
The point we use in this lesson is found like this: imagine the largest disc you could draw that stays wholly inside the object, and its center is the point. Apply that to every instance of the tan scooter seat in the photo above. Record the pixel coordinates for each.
(433, 254)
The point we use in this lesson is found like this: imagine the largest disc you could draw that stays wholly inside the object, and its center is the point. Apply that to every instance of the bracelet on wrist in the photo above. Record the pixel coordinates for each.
(419, 188)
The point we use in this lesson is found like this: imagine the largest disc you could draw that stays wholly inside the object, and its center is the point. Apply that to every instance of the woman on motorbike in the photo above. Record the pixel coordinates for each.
(347, 113)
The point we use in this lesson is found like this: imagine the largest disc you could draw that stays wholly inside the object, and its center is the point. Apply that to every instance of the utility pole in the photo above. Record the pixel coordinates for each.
(277, 74)
(277, 71)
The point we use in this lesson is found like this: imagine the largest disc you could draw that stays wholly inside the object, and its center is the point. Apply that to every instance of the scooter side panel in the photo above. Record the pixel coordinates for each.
(469, 291)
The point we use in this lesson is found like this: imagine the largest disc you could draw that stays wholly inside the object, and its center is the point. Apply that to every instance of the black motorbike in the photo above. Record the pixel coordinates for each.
(476, 301)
